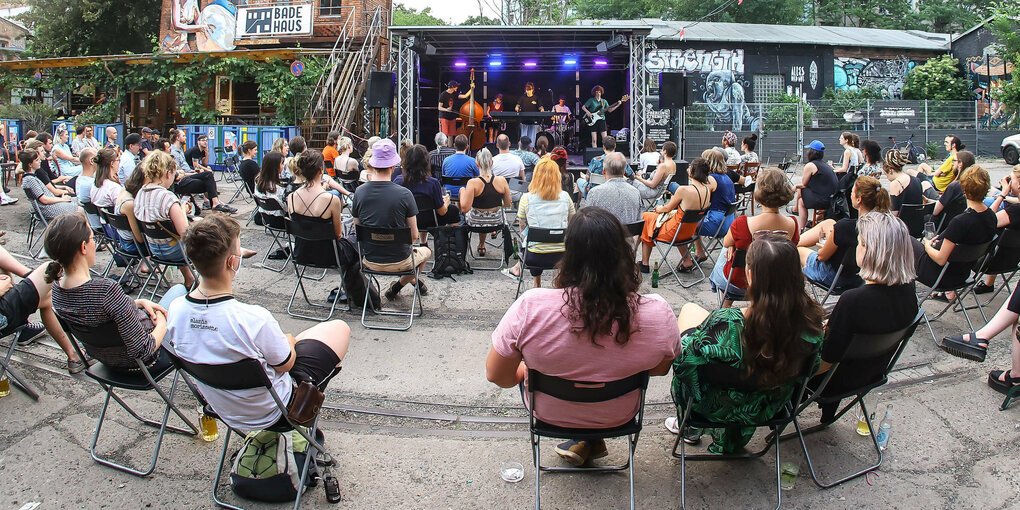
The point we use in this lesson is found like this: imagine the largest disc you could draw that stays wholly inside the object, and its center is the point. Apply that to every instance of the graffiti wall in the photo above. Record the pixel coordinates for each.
(886, 75)
(986, 74)
(197, 25)
(718, 81)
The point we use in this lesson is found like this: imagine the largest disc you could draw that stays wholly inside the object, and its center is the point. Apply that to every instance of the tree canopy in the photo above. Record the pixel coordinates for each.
(91, 27)
(410, 17)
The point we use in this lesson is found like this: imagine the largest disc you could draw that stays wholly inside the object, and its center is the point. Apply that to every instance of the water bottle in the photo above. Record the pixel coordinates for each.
(884, 429)
(655, 276)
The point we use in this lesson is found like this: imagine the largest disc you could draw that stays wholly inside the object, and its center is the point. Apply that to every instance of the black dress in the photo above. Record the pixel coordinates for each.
(820, 187)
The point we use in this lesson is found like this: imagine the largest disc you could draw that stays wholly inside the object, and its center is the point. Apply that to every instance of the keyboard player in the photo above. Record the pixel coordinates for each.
(529, 102)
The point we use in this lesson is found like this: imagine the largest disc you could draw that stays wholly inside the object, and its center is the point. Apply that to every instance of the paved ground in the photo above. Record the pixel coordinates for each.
(415, 424)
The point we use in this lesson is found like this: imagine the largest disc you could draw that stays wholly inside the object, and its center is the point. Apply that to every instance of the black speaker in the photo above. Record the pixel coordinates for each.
(591, 153)
(492, 148)
(380, 89)
(672, 90)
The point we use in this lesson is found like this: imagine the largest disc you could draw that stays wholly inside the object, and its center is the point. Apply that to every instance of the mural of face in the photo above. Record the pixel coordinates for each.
(717, 84)
(725, 98)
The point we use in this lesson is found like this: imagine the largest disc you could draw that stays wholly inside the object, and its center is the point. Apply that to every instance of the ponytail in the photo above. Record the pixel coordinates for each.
(53, 271)
(873, 196)
(62, 241)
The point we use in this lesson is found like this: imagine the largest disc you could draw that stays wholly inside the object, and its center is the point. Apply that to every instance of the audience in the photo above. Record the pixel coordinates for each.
(650, 156)
(593, 326)
(852, 157)
(884, 304)
(269, 187)
(86, 302)
(417, 177)
(584, 184)
(747, 145)
(131, 240)
(155, 203)
(67, 164)
(330, 153)
(976, 225)
(946, 173)
(818, 185)
(665, 223)
(438, 155)
(524, 152)
(50, 205)
(717, 221)
(82, 138)
(58, 185)
(130, 158)
(903, 187)
(459, 164)
(652, 188)
(194, 182)
(198, 156)
(952, 202)
(837, 238)
(1008, 191)
(347, 168)
(730, 155)
(559, 156)
(872, 166)
(772, 191)
(545, 205)
(209, 326)
(973, 346)
(754, 349)
(381, 203)
(248, 168)
(615, 195)
(506, 164)
(85, 182)
(483, 200)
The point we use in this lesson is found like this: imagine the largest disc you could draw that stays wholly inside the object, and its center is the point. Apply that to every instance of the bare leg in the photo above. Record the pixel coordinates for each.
(801, 213)
(699, 248)
(811, 236)
(646, 253)
(538, 281)
(336, 334)
(49, 319)
(727, 303)
(691, 316)
(804, 253)
(990, 280)
(1000, 321)
(11, 265)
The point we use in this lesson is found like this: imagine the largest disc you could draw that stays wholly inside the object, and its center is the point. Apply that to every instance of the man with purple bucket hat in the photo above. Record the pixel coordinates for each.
(381, 203)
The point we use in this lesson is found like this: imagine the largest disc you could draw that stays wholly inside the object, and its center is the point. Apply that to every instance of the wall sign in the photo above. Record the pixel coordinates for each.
(695, 61)
(253, 22)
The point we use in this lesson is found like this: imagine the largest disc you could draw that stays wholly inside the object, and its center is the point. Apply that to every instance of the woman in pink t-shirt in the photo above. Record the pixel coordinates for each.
(593, 326)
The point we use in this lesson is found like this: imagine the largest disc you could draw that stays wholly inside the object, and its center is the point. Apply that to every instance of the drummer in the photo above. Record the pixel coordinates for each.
(560, 121)
(496, 105)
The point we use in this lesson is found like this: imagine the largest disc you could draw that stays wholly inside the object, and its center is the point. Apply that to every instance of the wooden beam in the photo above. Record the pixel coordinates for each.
(145, 58)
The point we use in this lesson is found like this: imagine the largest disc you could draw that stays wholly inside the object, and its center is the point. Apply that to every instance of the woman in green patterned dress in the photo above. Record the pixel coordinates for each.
(761, 348)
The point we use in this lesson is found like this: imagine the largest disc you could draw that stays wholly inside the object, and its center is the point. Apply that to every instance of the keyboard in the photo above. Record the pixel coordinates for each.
(524, 115)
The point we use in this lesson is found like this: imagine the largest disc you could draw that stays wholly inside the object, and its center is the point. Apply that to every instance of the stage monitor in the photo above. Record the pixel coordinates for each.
(380, 89)
(672, 90)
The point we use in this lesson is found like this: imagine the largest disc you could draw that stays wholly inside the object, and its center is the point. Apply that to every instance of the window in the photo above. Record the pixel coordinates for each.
(330, 7)
(767, 86)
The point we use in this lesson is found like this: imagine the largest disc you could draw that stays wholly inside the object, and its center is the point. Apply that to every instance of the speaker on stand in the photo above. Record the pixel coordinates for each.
(674, 94)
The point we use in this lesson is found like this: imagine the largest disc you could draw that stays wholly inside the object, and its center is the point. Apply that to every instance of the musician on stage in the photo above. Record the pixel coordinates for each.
(597, 105)
(495, 106)
(560, 121)
(529, 102)
(447, 113)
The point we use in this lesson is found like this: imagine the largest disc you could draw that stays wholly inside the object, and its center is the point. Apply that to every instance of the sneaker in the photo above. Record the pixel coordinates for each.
(224, 208)
(576, 453)
(644, 268)
(982, 288)
(394, 289)
(691, 435)
(422, 289)
(278, 254)
(598, 449)
(30, 332)
(8, 201)
(77, 365)
(336, 294)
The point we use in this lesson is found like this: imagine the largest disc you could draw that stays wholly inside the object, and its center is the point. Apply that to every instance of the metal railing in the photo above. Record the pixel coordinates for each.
(352, 85)
(325, 86)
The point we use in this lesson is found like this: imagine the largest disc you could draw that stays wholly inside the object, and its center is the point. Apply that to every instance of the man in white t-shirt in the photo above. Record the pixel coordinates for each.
(210, 326)
(505, 164)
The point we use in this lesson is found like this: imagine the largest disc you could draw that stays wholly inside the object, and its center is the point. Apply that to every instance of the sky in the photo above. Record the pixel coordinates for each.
(454, 11)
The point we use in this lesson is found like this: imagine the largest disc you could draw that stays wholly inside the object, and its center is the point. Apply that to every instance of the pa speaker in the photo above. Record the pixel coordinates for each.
(492, 148)
(380, 89)
(591, 153)
(672, 90)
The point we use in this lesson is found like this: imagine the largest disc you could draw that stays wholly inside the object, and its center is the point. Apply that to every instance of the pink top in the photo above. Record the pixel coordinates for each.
(536, 329)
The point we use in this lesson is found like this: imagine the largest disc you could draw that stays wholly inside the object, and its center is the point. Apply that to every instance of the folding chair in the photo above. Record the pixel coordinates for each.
(394, 239)
(315, 246)
(680, 178)
(105, 337)
(913, 217)
(746, 195)
(520, 187)
(834, 288)
(688, 218)
(427, 207)
(5, 367)
(120, 223)
(588, 392)
(718, 236)
(963, 255)
(276, 226)
(1004, 260)
(233, 176)
(485, 230)
(248, 374)
(98, 233)
(739, 261)
(157, 231)
(458, 182)
(537, 235)
(37, 222)
(732, 378)
(883, 348)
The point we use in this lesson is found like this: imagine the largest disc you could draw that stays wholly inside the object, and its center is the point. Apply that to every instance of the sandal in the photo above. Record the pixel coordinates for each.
(701, 258)
(961, 348)
(681, 268)
(939, 296)
(1002, 386)
(481, 251)
(506, 272)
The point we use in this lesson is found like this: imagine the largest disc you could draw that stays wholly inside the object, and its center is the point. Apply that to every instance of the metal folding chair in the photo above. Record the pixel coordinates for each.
(5, 368)
(120, 222)
(884, 348)
(537, 235)
(315, 246)
(745, 197)
(963, 255)
(913, 217)
(1004, 261)
(37, 223)
(739, 261)
(688, 218)
(106, 337)
(162, 231)
(396, 239)
(718, 236)
(732, 378)
(276, 226)
(457, 182)
(835, 288)
(485, 230)
(588, 392)
(248, 374)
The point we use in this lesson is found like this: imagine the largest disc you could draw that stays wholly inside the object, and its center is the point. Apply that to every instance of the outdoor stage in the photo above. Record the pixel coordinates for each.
(559, 60)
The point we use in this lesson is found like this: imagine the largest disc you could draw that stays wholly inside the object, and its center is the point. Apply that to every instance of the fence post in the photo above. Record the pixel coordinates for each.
(867, 118)
(925, 123)
(976, 128)
(800, 127)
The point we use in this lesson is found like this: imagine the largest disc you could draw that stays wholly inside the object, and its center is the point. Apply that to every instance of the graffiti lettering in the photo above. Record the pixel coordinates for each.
(695, 61)
(797, 74)
(886, 75)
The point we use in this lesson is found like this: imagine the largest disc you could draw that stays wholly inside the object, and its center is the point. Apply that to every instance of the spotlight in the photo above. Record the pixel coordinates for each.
(570, 62)
(601, 62)
(460, 64)
(530, 64)
(613, 43)
(495, 63)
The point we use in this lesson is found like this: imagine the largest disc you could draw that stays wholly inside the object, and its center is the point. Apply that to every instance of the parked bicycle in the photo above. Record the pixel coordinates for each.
(914, 153)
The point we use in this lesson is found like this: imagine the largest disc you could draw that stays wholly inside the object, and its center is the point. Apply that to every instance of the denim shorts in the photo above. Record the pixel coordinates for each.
(718, 280)
(818, 270)
(167, 252)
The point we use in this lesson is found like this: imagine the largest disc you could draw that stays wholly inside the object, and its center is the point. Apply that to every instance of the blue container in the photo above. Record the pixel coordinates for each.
(11, 130)
(231, 137)
(100, 133)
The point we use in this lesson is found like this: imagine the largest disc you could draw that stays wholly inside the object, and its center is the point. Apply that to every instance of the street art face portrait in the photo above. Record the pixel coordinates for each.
(725, 97)
(200, 25)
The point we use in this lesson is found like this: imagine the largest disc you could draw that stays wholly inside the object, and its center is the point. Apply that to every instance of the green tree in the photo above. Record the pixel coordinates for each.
(480, 20)
(410, 17)
(784, 12)
(1005, 24)
(949, 16)
(938, 78)
(66, 28)
(893, 14)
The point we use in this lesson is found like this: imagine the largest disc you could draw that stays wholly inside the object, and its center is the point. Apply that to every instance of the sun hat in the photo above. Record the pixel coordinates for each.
(384, 154)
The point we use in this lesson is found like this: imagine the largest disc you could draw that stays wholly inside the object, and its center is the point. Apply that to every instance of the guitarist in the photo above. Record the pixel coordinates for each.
(596, 107)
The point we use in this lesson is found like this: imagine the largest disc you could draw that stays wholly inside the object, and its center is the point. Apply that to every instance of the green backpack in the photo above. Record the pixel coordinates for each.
(268, 466)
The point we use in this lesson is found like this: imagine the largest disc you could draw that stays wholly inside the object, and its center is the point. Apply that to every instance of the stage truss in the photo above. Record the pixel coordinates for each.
(638, 93)
(407, 90)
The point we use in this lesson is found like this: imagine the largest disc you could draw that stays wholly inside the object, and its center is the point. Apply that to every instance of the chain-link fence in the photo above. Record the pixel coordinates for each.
(783, 128)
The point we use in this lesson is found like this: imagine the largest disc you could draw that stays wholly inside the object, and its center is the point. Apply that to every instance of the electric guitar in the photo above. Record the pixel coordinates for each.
(600, 115)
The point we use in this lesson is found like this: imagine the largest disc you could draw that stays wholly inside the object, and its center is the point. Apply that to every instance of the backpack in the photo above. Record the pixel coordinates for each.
(268, 466)
(451, 244)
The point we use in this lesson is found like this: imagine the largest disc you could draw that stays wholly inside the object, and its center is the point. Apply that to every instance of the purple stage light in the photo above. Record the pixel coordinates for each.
(570, 62)
(495, 63)
(460, 64)
(530, 64)
(601, 62)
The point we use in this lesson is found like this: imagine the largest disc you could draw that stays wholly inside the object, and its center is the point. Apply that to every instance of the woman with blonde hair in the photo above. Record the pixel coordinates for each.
(155, 203)
(545, 205)
(482, 201)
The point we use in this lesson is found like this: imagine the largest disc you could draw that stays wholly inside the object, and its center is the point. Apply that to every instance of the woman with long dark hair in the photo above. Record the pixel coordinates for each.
(417, 177)
(768, 354)
(592, 326)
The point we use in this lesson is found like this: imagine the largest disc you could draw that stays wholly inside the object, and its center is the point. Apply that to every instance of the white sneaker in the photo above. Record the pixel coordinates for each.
(8, 201)
(672, 425)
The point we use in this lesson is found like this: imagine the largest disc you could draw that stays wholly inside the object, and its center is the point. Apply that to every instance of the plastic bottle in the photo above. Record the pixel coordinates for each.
(884, 429)
(5, 386)
(655, 276)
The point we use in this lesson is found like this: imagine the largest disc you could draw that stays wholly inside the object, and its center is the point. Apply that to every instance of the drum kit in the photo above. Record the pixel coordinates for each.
(557, 132)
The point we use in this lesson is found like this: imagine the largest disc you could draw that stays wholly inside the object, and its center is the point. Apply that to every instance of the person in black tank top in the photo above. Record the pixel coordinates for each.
(818, 185)
(482, 202)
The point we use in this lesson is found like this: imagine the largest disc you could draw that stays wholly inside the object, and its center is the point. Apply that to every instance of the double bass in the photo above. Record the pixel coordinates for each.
(471, 113)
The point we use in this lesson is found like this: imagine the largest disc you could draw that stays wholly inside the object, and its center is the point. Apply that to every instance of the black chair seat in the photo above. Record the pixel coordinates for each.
(548, 430)
(280, 426)
(952, 287)
(127, 380)
(781, 418)
(484, 229)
